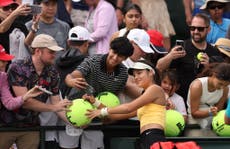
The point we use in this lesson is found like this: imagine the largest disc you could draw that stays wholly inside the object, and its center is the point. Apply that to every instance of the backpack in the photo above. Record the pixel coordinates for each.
(65, 64)
(178, 145)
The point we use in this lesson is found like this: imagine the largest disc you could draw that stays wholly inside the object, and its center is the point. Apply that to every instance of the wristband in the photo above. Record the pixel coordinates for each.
(97, 103)
(33, 29)
(104, 112)
(227, 112)
(210, 112)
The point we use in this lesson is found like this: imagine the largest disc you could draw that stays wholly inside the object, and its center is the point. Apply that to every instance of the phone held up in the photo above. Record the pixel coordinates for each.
(35, 9)
(180, 43)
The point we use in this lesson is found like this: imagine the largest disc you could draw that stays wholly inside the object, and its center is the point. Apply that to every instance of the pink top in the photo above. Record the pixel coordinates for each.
(6, 97)
(105, 24)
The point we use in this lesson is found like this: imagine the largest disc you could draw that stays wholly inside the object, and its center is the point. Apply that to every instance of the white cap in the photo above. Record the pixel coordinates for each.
(141, 38)
(139, 66)
(79, 33)
(76, 0)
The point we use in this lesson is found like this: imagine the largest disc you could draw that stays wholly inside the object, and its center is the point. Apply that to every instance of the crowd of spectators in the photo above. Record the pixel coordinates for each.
(65, 46)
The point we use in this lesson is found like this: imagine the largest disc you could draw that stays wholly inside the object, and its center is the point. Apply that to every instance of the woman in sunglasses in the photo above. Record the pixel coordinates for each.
(9, 12)
(218, 24)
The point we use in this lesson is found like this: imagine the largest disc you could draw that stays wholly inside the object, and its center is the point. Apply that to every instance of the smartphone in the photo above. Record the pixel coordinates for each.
(180, 43)
(35, 9)
(45, 90)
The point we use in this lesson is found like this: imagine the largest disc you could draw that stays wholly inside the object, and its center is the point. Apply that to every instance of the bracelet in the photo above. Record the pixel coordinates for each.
(97, 103)
(104, 112)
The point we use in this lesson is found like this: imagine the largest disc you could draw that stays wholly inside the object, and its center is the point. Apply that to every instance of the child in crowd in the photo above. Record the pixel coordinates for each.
(170, 84)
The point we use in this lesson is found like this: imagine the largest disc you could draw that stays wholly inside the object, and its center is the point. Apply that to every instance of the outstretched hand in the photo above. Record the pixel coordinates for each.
(91, 114)
(33, 92)
(89, 98)
(62, 105)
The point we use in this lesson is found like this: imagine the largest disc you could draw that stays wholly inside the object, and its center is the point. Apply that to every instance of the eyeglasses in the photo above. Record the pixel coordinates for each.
(199, 28)
(11, 6)
(216, 7)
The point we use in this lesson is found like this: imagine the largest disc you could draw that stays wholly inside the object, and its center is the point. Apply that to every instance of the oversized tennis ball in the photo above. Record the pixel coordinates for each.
(199, 55)
(78, 109)
(108, 99)
(175, 123)
(219, 126)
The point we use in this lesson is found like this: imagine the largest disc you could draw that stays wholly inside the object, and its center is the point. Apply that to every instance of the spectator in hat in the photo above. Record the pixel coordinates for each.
(218, 24)
(11, 24)
(7, 101)
(37, 69)
(156, 39)
(4, 59)
(149, 107)
(7, 19)
(223, 45)
(78, 42)
(184, 60)
(141, 43)
(160, 22)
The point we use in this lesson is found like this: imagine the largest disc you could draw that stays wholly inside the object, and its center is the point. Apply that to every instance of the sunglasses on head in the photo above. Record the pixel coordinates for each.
(199, 28)
(216, 7)
(11, 6)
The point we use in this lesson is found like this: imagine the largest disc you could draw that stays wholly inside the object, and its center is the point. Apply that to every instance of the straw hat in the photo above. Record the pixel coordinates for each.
(204, 6)
(223, 44)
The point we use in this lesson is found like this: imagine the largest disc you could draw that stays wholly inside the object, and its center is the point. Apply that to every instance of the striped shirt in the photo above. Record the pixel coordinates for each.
(94, 70)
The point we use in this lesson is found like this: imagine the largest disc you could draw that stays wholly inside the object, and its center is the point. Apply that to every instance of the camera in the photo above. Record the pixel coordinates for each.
(180, 43)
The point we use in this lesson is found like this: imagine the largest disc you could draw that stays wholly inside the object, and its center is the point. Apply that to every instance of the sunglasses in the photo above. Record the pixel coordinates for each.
(11, 6)
(216, 7)
(199, 28)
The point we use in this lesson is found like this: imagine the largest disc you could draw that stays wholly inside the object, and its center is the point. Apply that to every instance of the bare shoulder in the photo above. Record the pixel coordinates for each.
(196, 84)
(155, 89)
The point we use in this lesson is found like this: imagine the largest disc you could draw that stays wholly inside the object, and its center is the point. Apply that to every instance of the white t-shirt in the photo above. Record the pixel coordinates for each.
(178, 101)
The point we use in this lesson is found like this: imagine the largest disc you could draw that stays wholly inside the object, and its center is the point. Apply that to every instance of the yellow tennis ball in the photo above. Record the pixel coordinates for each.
(199, 55)
(174, 123)
(108, 99)
(78, 109)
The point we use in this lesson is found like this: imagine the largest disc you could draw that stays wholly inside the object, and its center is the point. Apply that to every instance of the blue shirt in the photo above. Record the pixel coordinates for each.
(217, 30)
